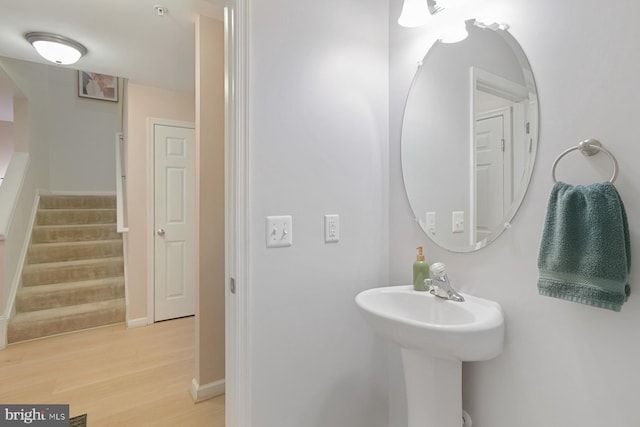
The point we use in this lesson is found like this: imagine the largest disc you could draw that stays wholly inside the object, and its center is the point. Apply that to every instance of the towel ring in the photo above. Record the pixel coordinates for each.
(588, 147)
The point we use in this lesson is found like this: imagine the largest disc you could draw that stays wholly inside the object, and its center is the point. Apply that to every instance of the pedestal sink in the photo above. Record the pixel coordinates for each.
(435, 336)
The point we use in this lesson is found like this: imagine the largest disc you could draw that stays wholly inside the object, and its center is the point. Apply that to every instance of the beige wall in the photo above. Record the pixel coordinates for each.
(145, 102)
(210, 145)
(206, 109)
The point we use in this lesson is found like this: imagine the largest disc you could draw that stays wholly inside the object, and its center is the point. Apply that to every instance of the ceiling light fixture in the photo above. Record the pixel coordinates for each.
(56, 48)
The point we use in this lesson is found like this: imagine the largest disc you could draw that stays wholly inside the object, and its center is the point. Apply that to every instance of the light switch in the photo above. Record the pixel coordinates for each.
(331, 228)
(457, 221)
(279, 231)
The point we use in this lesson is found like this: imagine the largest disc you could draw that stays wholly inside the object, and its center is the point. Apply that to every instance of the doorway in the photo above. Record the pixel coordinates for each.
(174, 220)
(492, 170)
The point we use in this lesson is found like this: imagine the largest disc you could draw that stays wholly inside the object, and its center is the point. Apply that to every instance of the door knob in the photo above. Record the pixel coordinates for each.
(160, 231)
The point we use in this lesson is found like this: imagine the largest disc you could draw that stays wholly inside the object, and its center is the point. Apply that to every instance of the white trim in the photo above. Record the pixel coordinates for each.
(125, 257)
(4, 325)
(136, 323)
(13, 182)
(237, 313)
(15, 283)
(498, 86)
(120, 179)
(203, 392)
(151, 122)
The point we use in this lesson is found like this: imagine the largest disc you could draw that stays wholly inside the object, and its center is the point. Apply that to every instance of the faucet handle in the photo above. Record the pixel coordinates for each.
(438, 269)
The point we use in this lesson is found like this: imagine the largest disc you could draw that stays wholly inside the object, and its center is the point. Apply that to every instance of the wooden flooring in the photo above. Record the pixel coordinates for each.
(117, 376)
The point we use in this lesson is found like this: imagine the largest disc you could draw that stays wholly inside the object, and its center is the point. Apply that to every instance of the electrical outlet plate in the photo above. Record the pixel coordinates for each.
(331, 228)
(279, 231)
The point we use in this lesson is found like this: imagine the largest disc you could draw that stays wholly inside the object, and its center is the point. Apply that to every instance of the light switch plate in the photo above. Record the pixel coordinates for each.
(457, 221)
(431, 223)
(331, 228)
(279, 231)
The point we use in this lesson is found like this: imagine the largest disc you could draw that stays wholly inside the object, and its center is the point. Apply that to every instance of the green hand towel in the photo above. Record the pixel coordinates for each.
(585, 253)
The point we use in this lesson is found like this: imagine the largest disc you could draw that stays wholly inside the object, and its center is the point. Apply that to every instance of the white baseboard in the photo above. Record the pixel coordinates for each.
(203, 392)
(3, 332)
(136, 323)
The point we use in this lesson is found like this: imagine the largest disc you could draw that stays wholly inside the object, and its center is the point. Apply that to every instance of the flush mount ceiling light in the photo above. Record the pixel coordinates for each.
(55, 48)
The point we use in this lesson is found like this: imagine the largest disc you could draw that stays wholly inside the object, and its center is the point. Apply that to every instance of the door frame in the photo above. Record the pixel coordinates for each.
(237, 230)
(151, 274)
(493, 84)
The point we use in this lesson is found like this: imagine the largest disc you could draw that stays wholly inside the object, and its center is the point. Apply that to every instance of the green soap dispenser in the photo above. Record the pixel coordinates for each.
(420, 272)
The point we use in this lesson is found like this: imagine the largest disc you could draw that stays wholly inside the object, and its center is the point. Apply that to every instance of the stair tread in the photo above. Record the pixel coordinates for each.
(74, 263)
(60, 312)
(75, 243)
(53, 201)
(67, 226)
(33, 290)
(76, 209)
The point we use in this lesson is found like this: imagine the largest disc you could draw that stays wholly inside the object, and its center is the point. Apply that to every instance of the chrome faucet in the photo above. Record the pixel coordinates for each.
(439, 283)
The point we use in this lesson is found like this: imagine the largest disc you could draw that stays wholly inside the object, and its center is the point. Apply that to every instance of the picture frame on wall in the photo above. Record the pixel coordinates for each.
(97, 86)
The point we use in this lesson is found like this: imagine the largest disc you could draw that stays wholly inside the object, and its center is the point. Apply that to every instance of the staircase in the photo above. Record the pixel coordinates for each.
(73, 276)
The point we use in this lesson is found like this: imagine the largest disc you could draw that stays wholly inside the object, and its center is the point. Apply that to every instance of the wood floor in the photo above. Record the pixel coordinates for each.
(117, 376)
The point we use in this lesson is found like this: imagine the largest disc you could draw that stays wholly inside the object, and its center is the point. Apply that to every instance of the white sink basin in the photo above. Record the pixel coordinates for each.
(467, 331)
(436, 336)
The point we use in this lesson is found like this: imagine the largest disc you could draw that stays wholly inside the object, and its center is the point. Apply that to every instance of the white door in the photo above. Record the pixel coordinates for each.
(490, 174)
(175, 222)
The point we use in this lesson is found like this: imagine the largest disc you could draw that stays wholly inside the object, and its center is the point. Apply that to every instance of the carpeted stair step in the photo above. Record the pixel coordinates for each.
(75, 216)
(72, 251)
(77, 202)
(74, 233)
(32, 298)
(42, 323)
(72, 271)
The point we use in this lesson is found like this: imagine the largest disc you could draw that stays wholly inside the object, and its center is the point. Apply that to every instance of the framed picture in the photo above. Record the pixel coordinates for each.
(97, 86)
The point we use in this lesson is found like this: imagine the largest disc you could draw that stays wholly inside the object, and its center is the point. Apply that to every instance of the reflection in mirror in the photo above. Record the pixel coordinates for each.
(469, 137)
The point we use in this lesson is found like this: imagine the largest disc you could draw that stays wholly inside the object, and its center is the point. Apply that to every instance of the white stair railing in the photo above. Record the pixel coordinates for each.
(121, 184)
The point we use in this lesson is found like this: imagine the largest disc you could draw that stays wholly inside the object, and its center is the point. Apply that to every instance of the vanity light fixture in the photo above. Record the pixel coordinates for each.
(414, 13)
(417, 12)
(56, 48)
(454, 31)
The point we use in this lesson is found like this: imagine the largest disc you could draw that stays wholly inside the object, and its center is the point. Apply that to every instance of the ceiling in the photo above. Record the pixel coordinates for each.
(126, 38)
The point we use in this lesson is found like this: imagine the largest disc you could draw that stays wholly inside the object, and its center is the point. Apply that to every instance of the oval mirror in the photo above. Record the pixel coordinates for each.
(469, 137)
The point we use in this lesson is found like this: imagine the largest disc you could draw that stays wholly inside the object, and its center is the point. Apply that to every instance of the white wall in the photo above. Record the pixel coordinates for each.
(318, 145)
(82, 137)
(7, 144)
(564, 364)
(71, 139)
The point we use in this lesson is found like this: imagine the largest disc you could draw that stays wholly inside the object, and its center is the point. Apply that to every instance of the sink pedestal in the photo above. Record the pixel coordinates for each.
(434, 390)
(436, 335)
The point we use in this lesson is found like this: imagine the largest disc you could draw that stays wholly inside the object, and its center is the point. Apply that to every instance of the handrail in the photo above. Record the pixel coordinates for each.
(121, 179)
